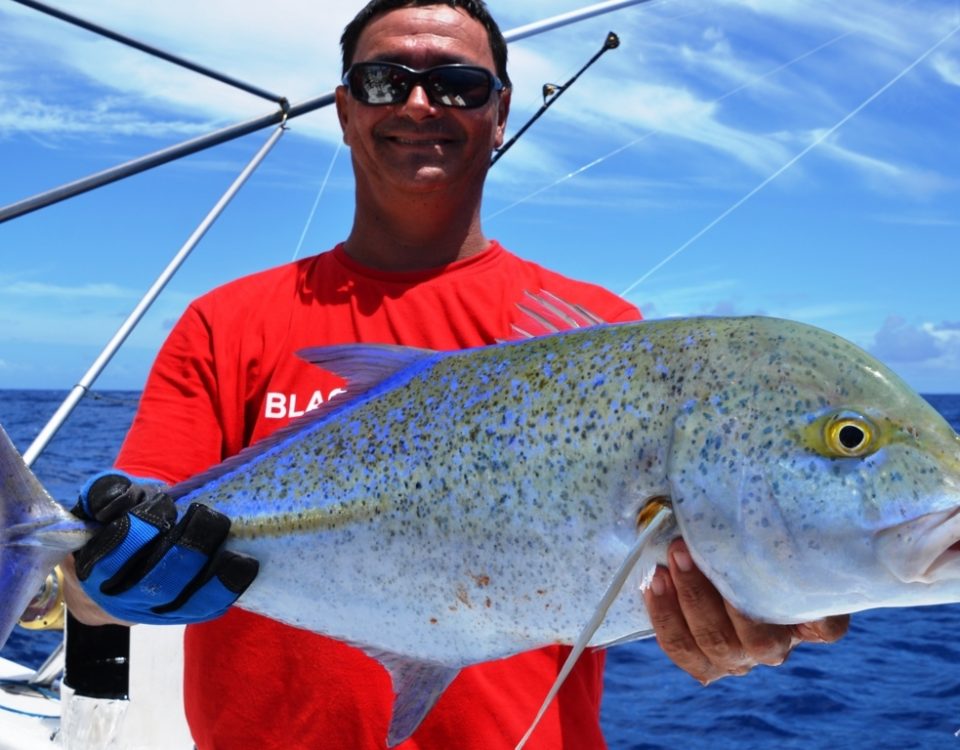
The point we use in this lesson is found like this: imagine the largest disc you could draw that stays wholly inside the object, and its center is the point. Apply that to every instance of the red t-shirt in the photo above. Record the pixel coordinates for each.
(228, 376)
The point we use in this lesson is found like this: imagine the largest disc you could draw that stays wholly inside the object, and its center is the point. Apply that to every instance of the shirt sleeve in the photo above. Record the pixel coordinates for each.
(177, 431)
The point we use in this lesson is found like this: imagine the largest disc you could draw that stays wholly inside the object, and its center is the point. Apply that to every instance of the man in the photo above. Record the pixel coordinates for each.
(424, 102)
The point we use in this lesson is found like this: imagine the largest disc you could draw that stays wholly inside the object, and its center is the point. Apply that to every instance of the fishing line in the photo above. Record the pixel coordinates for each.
(570, 176)
(316, 203)
(816, 142)
(736, 90)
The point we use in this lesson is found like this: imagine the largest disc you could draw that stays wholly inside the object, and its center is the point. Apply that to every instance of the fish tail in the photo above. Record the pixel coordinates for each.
(36, 533)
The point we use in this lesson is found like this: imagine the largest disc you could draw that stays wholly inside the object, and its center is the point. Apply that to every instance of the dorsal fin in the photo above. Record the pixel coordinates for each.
(545, 313)
(365, 367)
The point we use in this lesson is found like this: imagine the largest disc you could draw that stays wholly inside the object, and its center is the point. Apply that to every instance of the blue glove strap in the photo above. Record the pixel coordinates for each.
(160, 586)
(209, 601)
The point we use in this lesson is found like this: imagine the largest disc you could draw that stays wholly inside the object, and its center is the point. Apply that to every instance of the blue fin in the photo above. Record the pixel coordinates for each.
(36, 533)
(629, 638)
(365, 367)
(417, 686)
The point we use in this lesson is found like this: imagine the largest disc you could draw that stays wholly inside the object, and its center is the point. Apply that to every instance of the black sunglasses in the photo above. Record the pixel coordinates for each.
(456, 85)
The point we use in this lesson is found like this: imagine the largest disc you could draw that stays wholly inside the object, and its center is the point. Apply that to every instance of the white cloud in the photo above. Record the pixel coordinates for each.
(885, 175)
(825, 313)
(689, 299)
(948, 68)
(41, 290)
(866, 163)
(291, 47)
(900, 341)
(106, 116)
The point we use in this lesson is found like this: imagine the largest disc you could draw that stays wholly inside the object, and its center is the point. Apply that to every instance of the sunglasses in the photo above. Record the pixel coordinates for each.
(381, 83)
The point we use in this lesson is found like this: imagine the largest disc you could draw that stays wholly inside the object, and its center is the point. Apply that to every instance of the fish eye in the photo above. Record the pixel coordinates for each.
(849, 435)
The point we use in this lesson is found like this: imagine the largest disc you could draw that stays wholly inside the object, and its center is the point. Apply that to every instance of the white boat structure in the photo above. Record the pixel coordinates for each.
(40, 710)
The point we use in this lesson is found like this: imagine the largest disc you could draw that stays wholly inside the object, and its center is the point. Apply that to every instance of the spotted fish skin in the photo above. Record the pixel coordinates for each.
(479, 501)
(460, 507)
(495, 487)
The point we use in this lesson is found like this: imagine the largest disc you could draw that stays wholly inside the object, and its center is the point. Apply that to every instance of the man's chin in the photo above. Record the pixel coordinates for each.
(427, 179)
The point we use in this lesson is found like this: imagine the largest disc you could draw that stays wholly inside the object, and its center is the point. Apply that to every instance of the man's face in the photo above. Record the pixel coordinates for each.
(418, 146)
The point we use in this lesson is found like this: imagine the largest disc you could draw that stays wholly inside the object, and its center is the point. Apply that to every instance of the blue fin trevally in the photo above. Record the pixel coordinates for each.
(481, 501)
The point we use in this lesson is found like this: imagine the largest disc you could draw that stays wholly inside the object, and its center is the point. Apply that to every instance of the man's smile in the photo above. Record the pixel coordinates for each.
(419, 138)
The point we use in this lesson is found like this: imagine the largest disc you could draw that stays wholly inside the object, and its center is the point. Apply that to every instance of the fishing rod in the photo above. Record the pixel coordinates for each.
(552, 92)
(201, 143)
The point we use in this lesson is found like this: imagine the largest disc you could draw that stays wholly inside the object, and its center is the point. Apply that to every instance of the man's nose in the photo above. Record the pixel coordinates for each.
(418, 104)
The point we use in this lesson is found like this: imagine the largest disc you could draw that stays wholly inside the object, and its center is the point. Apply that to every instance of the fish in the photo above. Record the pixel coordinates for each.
(459, 507)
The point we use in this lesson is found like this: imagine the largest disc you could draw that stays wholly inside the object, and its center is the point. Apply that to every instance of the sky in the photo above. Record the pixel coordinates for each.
(793, 158)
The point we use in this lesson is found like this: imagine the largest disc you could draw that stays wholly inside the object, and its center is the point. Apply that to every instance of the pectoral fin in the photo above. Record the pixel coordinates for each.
(417, 685)
(659, 518)
(630, 638)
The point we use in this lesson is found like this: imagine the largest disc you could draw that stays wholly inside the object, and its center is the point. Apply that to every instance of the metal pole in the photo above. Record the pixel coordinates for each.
(129, 42)
(565, 19)
(143, 163)
(130, 323)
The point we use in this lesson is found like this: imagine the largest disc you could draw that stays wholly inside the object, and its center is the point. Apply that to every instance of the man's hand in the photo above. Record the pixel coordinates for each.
(146, 565)
(706, 637)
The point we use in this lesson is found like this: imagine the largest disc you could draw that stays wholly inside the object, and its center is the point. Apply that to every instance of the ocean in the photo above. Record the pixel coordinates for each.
(893, 683)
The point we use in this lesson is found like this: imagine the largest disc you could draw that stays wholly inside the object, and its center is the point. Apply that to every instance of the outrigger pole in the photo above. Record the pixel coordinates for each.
(565, 19)
(81, 388)
(280, 117)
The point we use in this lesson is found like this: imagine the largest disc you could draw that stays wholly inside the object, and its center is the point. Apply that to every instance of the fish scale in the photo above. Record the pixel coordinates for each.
(459, 507)
(485, 499)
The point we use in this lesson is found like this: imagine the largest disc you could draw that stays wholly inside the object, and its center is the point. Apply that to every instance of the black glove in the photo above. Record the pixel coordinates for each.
(144, 565)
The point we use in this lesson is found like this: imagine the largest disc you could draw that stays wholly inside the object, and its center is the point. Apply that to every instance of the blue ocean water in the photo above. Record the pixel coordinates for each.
(893, 683)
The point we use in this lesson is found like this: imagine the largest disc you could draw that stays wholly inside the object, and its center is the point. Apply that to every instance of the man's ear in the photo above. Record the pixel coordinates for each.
(503, 110)
(340, 100)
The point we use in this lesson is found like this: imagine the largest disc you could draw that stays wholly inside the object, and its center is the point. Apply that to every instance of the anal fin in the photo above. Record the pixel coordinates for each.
(417, 685)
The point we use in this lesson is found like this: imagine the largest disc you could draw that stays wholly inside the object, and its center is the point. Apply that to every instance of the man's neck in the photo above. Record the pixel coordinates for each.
(422, 233)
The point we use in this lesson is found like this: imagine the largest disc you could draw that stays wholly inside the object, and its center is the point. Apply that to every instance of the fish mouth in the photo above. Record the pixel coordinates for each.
(925, 549)
(951, 554)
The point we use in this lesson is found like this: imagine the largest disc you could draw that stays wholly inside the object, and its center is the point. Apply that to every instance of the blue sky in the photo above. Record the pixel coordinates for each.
(796, 158)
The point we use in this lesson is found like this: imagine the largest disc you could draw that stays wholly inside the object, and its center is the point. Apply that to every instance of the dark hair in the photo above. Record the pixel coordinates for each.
(475, 8)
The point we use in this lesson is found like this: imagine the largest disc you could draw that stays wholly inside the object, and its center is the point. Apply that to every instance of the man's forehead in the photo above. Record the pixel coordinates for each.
(425, 35)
